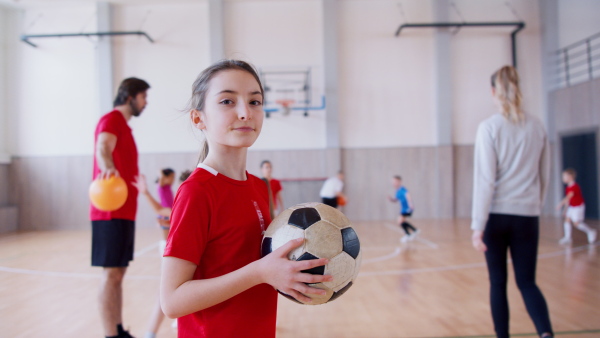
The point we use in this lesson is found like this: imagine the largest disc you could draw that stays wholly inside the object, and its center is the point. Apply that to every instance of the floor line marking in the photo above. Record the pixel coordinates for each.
(383, 258)
(145, 250)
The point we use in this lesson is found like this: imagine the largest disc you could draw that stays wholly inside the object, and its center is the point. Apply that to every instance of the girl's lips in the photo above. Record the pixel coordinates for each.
(244, 129)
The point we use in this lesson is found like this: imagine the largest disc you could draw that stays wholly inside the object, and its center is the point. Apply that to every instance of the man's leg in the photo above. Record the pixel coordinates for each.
(110, 299)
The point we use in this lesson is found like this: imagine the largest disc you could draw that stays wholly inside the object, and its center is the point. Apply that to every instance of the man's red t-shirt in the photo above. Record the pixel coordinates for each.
(217, 223)
(577, 198)
(125, 157)
(275, 188)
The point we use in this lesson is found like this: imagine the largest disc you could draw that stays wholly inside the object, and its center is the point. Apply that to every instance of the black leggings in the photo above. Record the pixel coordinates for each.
(520, 235)
(406, 226)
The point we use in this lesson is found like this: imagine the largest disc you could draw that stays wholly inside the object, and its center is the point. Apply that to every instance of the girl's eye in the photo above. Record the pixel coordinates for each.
(226, 101)
(256, 103)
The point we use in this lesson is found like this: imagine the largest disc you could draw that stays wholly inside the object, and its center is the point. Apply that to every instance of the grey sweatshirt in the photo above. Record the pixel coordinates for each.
(512, 167)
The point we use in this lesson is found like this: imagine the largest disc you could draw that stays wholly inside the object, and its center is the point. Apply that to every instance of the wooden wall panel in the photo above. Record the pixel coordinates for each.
(4, 184)
(463, 180)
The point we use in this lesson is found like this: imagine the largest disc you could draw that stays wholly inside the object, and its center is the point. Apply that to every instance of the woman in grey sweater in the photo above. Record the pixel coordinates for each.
(510, 181)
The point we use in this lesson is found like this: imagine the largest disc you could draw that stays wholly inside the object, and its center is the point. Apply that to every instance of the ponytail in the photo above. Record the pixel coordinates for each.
(203, 152)
(506, 85)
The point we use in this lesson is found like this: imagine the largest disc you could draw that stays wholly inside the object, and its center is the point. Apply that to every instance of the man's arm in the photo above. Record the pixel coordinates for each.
(105, 145)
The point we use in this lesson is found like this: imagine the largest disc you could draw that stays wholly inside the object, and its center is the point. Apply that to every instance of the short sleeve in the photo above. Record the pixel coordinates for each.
(190, 223)
(109, 124)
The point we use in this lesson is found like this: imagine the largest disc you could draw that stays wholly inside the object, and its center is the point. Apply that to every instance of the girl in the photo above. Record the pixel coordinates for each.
(274, 187)
(510, 180)
(163, 212)
(213, 278)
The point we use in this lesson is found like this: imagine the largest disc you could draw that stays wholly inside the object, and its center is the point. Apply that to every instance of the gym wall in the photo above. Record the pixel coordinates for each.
(387, 117)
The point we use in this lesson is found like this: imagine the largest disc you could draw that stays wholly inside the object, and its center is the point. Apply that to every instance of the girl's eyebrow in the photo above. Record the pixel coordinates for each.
(229, 91)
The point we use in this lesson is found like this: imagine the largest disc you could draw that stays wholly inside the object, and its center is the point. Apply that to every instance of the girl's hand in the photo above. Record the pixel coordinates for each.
(391, 198)
(278, 271)
(140, 184)
(477, 240)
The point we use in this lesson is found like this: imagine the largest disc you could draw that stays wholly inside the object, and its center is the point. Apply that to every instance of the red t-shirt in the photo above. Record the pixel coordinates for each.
(577, 198)
(275, 188)
(125, 157)
(217, 223)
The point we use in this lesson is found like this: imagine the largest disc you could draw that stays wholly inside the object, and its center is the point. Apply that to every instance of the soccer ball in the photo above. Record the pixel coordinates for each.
(328, 234)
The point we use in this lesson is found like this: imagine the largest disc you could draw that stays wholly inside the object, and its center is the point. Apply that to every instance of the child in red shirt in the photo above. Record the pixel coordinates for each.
(274, 186)
(213, 278)
(575, 212)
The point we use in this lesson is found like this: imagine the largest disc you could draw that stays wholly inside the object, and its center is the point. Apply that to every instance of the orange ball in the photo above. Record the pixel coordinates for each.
(108, 194)
(341, 201)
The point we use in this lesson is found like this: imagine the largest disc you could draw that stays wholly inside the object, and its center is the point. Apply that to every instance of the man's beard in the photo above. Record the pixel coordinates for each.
(134, 110)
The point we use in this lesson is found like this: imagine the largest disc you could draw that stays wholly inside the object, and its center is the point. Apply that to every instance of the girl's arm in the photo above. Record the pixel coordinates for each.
(180, 295)
(141, 186)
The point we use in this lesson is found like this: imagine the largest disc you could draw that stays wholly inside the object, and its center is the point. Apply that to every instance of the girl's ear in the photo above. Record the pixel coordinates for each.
(197, 120)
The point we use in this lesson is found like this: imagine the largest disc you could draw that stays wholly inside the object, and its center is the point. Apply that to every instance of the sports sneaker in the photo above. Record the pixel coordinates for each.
(414, 234)
(592, 236)
(405, 239)
(564, 241)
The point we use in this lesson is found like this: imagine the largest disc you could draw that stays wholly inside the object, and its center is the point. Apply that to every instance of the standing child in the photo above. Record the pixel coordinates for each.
(406, 208)
(163, 214)
(575, 212)
(332, 190)
(274, 187)
(213, 278)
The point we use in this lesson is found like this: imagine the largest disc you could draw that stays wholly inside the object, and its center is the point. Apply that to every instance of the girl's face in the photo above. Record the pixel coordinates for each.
(267, 169)
(233, 111)
(168, 180)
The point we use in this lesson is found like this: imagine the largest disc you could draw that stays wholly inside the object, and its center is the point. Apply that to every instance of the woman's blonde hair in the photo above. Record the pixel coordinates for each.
(505, 82)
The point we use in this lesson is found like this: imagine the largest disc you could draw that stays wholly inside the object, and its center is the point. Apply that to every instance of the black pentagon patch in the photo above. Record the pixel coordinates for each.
(340, 292)
(350, 241)
(304, 217)
(319, 270)
(290, 297)
(266, 246)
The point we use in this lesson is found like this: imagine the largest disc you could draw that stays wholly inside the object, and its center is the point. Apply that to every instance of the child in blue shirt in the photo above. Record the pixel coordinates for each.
(406, 208)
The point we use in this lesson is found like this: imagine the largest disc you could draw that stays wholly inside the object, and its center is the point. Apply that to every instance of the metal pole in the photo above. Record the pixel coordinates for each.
(568, 78)
(589, 55)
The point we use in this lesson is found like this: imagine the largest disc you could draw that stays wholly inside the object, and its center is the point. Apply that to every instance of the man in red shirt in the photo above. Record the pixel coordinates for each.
(113, 231)
(575, 213)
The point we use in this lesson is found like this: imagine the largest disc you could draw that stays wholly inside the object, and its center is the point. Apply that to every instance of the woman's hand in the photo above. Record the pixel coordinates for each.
(278, 271)
(477, 240)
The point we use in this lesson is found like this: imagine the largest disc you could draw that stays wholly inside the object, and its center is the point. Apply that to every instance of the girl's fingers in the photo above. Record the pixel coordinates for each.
(308, 278)
(309, 264)
(307, 290)
(285, 249)
(300, 297)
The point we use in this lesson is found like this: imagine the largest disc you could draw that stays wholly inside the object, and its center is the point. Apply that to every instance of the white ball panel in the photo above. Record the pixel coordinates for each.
(285, 234)
(341, 267)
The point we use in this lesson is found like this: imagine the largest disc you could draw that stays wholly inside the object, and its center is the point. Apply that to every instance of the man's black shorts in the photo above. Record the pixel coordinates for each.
(406, 214)
(112, 242)
(332, 202)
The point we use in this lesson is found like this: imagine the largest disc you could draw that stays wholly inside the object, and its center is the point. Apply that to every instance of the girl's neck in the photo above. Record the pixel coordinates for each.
(228, 161)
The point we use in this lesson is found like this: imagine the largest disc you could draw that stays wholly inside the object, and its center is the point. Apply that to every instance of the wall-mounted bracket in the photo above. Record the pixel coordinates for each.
(519, 25)
(25, 38)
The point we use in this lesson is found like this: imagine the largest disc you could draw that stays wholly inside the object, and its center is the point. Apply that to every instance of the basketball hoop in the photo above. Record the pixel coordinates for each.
(285, 106)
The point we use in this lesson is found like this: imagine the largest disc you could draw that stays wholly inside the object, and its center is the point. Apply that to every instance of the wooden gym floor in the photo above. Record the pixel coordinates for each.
(434, 286)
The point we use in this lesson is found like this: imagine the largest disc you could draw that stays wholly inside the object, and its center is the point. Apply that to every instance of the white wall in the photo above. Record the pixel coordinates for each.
(577, 20)
(170, 66)
(385, 81)
(478, 52)
(4, 48)
(282, 35)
